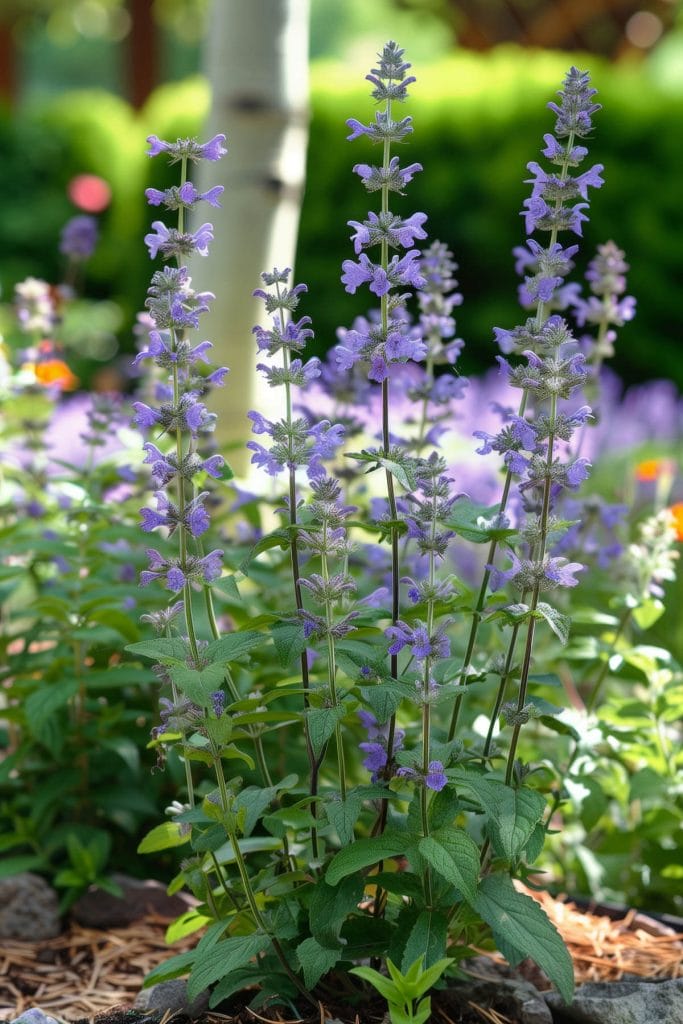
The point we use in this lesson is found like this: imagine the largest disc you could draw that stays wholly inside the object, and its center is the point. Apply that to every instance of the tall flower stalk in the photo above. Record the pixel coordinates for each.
(295, 443)
(544, 341)
(386, 342)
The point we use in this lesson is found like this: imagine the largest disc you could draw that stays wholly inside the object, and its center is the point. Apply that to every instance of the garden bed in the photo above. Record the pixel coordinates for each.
(85, 974)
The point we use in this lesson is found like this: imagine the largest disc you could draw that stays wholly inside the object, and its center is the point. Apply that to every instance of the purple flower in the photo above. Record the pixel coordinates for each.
(79, 237)
(383, 129)
(526, 574)
(559, 571)
(395, 178)
(422, 646)
(434, 779)
(145, 416)
(376, 746)
(386, 227)
(265, 459)
(189, 149)
(173, 243)
(399, 272)
(184, 196)
(218, 702)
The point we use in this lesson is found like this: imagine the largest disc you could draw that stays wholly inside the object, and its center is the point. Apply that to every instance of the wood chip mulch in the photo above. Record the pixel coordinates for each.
(83, 972)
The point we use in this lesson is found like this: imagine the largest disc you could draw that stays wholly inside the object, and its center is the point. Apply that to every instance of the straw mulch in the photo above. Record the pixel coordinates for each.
(83, 972)
(604, 949)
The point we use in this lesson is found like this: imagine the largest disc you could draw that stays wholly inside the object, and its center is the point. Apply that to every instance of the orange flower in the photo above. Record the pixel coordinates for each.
(53, 373)
(676, 513)
(650, 470)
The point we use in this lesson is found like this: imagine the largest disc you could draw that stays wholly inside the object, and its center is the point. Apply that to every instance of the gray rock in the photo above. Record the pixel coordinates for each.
(516, 999)
(28, 908)
(99, 909)
(621, 1002)
(171, 996)
(35, 1016)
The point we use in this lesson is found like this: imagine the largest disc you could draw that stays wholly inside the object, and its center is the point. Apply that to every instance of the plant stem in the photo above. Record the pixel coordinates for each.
(540, 556)
(313, 761)
(259, 920)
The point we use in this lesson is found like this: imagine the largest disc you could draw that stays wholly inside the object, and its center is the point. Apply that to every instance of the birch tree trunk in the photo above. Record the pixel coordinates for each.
(256, 60)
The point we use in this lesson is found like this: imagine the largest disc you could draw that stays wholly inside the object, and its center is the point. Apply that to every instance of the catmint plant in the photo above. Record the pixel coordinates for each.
(197, 715)
(404, 844)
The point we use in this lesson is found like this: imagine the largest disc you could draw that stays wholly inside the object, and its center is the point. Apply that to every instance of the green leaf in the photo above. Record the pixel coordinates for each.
(329, 907)
(163, 837)
(536, 843)
(233, 646)
(385, 698)
(198, 686)
(403, 470)
(167, 651)
(244, 977)
(647, 784)
(427, 937)
(425, 979)
(519, 921)
(366, 852)
(648, 612)
(321, 724)
(226, 587)
(223, 958)
(250, 844)
(288, 638)
(512, 813)
(118, 620)
(316, 960)
(276, 539)
(343, 815)
(559, 623)
(472, 522)
(15, 865)
(254, 800)
(187, 924)
(455, 856)
(175, 967)
(384, 986)
(40, 708)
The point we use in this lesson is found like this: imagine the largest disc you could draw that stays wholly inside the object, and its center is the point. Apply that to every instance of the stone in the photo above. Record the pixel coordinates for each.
(171, 997)
(35, 1016)
(621, 1002)
(140, 898)
(29, 908)
(517, 1000)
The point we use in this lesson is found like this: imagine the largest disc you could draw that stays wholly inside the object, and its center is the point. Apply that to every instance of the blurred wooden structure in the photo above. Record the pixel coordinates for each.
(595, 26)
(140, 48)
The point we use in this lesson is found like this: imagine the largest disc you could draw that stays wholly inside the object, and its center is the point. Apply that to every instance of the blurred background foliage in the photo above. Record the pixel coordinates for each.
(485, 72)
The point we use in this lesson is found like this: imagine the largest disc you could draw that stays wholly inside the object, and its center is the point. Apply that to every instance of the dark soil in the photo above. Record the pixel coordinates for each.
(448, 1007)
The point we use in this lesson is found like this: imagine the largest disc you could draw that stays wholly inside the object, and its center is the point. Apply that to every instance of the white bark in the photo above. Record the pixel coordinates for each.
(256, 60)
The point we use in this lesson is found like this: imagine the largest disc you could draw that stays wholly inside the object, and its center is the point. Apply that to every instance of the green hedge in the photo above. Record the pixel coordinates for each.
(478, 121)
